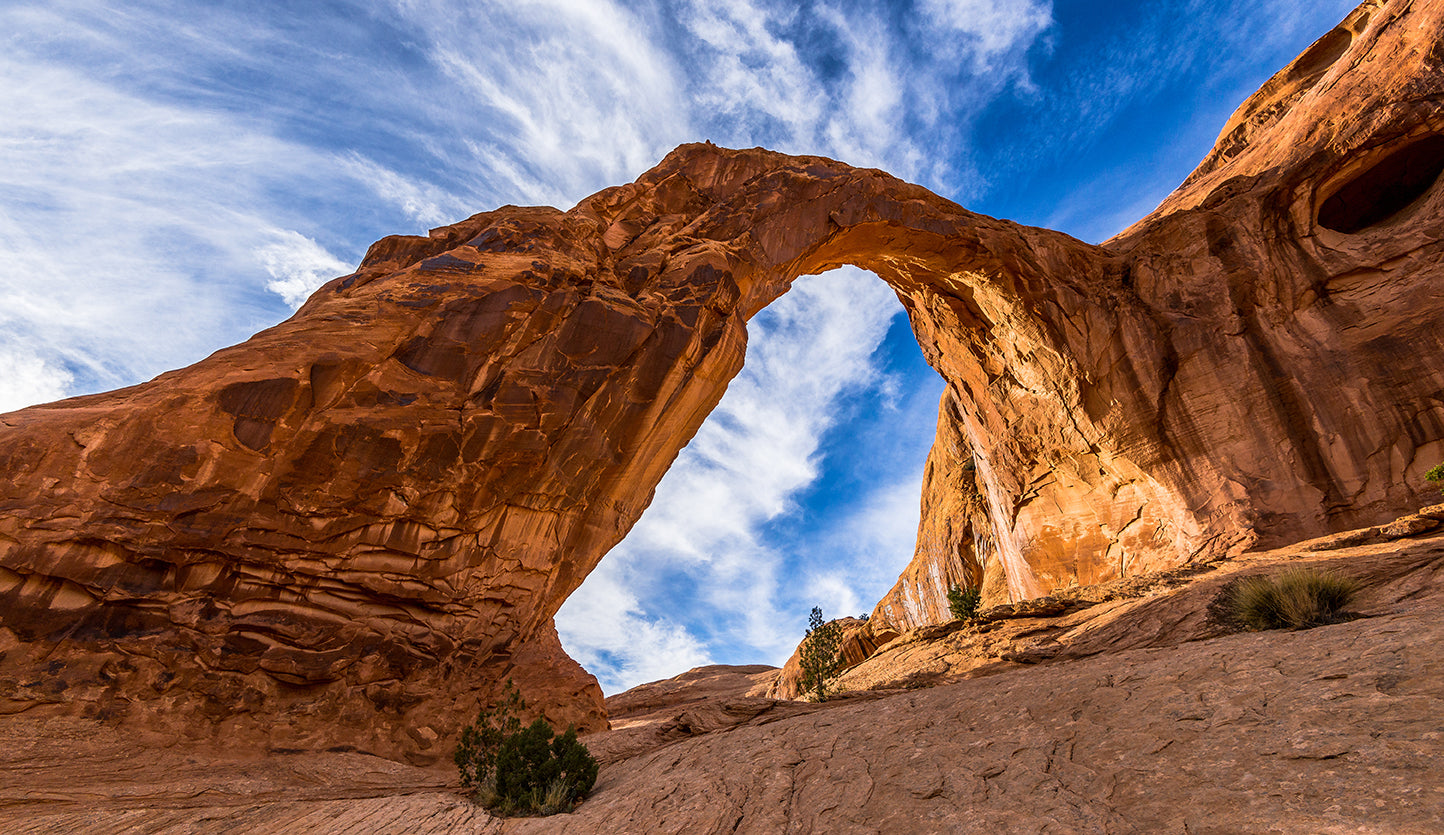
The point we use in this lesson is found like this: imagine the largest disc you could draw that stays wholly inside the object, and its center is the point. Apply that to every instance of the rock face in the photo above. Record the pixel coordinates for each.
(353, 526)
(955, 544)
(1328, 730)
(1270, 360)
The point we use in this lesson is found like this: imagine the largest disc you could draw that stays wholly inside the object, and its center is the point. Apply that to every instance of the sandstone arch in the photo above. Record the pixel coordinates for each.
(348, 527)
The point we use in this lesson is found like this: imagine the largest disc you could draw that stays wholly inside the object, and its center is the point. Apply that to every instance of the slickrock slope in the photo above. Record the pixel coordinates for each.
(1329, 730)
(1161, 609)
(352, 527)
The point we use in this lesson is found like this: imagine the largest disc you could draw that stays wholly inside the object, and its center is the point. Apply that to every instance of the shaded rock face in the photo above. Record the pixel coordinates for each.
(954, 542)
(353, 526)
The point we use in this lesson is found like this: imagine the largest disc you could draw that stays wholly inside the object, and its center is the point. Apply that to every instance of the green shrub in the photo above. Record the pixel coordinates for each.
(963, 603)
(513, 770)
(475, 755)
(538, 774)
(819, 656)
(1296, 598)
(1436, 477)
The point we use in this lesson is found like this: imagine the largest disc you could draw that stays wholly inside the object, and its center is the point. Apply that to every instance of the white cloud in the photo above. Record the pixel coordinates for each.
(607, 631)
(298, 266)
(26, 379)
(866, 127)
(562, 98)
(755, 81)
(987, 33)
(427, 203)
(121, 241)
(853, 81)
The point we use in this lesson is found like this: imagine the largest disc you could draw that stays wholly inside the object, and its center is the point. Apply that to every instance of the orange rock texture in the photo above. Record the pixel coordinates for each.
(1131, 713)
(1264, 347)
(353, 526)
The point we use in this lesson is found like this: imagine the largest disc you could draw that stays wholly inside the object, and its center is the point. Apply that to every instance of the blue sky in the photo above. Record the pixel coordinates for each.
(178, 175)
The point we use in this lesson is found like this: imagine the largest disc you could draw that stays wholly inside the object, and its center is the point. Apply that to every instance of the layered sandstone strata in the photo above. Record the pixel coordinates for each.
(353, 526)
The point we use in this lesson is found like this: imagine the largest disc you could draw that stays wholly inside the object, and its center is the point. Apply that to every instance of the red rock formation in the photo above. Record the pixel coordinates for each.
(1292, 367)
(354, 525)
(1131, 715)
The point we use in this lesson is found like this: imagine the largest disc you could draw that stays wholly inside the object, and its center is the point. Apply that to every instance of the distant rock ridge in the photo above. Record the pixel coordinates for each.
(353, 527)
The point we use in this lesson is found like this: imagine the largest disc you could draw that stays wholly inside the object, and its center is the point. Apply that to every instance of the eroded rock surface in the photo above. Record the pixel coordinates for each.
(1136, 722)
(354, 526)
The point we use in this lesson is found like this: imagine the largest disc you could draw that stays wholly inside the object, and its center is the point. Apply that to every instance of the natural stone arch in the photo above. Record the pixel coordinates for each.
(1021, 323)
(386, 498)
(350, 526)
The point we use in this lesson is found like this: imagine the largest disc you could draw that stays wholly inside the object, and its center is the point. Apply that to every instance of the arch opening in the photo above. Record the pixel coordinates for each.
(801, 488)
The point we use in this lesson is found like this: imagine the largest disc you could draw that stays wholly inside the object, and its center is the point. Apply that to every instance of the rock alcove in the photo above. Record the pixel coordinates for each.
(350, 528)
(1397, 178)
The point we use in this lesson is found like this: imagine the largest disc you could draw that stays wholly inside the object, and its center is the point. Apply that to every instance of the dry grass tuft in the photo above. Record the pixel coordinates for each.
(1295, 598)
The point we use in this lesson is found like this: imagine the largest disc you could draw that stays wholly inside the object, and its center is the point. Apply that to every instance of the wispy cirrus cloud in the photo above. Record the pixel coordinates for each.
(988, 35)
(553, 99)
(29, 379)
(875, 86)
(128, 231)
(298, 266)
(611, 631)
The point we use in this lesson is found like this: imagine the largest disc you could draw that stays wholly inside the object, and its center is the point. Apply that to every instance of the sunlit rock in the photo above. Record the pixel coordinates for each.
(353, 527)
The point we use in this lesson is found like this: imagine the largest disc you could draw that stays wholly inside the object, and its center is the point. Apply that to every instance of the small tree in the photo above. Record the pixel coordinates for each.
(1436, 477)
(514, 770)
(963, 603)
(819, 656)
(475, 755)
(535, 773)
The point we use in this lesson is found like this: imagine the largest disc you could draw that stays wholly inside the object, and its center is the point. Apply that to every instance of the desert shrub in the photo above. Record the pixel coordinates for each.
(963, 603)
(1436, 477)
(1296, 598)
(475, 755)
(819, 656)
(537, 773)
(513, 770)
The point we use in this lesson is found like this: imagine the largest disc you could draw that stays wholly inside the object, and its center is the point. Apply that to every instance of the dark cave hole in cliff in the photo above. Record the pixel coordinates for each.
(1386, 188)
